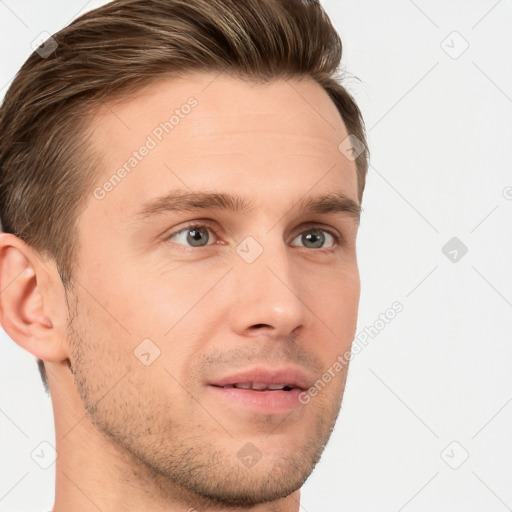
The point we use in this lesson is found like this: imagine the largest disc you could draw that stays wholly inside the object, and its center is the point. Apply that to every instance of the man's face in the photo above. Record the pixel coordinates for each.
(161, 314)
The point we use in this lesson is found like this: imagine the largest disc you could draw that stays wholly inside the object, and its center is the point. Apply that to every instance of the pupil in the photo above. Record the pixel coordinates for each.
(194, 237)
(315, 237)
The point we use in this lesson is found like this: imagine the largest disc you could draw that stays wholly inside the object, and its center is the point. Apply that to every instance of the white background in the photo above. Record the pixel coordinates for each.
(434, 386)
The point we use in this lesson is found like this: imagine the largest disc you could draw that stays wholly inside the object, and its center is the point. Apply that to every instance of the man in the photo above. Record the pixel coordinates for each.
(180, 191)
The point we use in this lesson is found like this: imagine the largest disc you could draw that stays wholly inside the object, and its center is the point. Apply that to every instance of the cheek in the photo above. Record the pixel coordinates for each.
(99, 357)
(167, 302)
(337, 304)
(138, 301)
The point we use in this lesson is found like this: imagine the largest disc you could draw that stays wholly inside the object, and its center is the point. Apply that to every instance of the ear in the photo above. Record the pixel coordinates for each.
(27, 302)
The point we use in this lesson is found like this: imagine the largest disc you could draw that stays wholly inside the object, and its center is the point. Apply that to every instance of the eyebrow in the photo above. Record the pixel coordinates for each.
(185, 201)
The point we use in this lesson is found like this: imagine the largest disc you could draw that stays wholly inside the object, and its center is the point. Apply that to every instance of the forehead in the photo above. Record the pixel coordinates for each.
(207, 131)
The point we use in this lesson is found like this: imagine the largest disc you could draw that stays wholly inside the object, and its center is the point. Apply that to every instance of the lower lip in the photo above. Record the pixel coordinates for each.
(265, 402)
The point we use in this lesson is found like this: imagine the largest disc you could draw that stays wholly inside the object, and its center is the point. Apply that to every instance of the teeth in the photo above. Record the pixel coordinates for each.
(255, 385)
(243, 385)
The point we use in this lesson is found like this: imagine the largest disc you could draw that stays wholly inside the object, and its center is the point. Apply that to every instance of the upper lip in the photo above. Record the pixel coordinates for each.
(288, 376)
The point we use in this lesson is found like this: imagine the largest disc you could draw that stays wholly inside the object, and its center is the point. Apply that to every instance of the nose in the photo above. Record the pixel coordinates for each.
(269, 293)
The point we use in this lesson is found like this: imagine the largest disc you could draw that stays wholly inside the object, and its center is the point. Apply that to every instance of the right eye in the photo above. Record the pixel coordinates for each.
(193, 235)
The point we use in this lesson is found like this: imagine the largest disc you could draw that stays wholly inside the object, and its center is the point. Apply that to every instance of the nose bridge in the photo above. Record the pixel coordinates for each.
(268, 288)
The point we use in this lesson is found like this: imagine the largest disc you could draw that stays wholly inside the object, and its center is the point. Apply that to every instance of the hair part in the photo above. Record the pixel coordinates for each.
(47, 167)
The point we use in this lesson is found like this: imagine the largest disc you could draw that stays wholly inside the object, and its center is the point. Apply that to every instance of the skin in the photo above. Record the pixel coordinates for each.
(135, 437)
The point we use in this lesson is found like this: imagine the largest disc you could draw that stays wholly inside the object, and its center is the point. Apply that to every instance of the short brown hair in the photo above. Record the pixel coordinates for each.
(46, 168)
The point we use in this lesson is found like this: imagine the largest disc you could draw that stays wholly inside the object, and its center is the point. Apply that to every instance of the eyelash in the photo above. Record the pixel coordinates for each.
(338, 239)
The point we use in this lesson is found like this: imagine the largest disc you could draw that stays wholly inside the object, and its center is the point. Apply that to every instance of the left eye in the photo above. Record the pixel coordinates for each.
(316, 238)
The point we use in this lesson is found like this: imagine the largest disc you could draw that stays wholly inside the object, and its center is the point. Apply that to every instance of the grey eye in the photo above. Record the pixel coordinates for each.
(315, 238)
(194, 236)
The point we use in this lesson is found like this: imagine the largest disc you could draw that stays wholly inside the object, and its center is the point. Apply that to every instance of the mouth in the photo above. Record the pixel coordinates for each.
(260, 400)
(259, 386)
(261, 390)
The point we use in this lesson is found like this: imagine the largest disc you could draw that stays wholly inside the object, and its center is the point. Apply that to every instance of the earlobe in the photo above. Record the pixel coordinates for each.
(22, 312)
